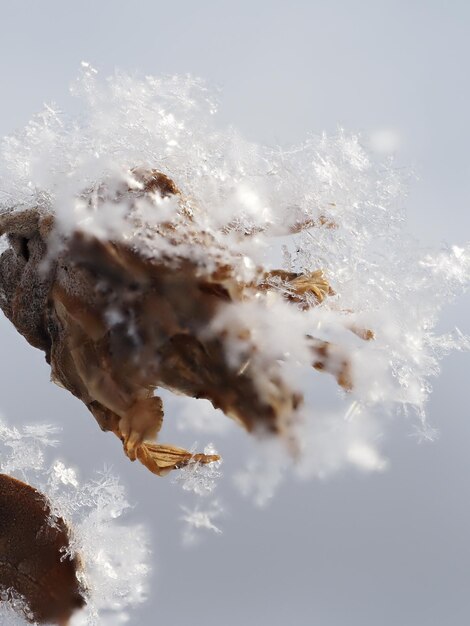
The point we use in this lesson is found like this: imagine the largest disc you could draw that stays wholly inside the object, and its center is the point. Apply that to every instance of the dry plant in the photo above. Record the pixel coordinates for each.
(116, 324)
(137, 247)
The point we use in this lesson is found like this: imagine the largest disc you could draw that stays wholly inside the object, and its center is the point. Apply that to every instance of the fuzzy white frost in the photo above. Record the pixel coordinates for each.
(383, 280)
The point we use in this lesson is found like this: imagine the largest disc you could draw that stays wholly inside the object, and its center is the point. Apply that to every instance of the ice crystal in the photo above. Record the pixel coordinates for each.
(198, 519)
(24, 448)
(200, 478)
(263, 473)
(249, 197)
(13, 609)
(201, 481)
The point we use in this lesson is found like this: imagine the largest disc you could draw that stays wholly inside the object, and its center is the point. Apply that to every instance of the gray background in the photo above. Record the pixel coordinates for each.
(390, 549)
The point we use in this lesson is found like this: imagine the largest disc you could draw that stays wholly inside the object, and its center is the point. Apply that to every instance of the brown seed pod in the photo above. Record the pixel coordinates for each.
(33, 561)
(117, 323)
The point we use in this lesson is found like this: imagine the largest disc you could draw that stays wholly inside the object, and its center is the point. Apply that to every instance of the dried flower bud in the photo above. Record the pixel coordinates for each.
(116, 322)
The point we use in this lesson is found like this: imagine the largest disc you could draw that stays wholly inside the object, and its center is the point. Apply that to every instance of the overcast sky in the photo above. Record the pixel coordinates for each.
(390, 549)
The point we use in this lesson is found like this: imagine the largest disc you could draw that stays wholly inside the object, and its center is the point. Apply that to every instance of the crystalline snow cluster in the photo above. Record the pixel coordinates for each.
(247, 196)
(200, 480)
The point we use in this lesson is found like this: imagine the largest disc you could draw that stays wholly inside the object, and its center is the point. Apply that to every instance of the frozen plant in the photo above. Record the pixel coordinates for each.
(150, 240)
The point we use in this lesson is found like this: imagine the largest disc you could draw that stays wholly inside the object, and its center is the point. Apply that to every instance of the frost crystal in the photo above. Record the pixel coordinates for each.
(13, 609)
(263, 473)
(344, 206)
(24, 451)
(197, 519)
(200, 478)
